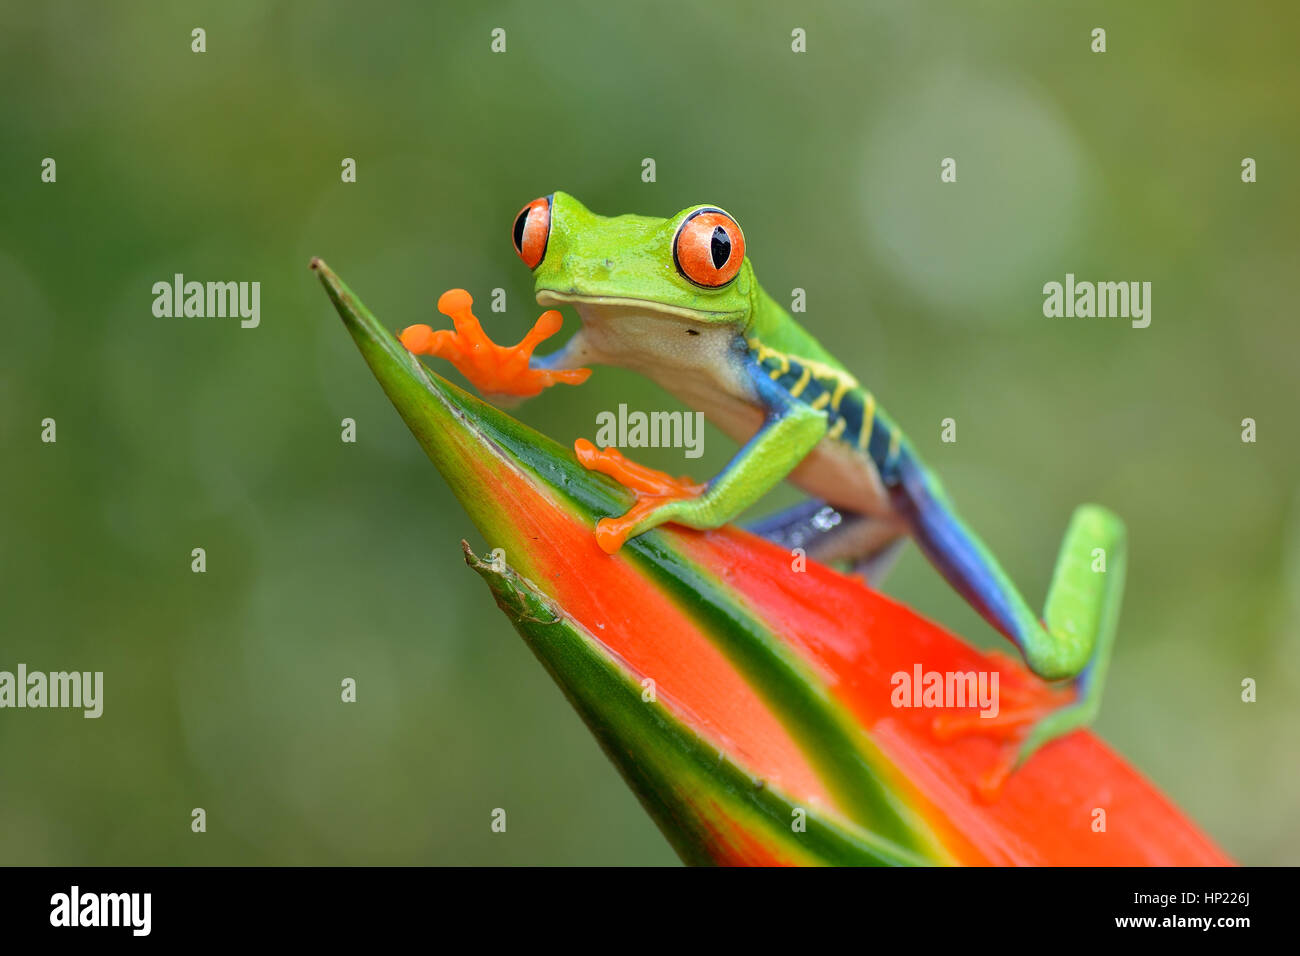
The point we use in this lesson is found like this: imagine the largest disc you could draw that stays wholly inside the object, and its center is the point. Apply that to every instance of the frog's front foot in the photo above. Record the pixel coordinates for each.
(493, 369)
(657, 494)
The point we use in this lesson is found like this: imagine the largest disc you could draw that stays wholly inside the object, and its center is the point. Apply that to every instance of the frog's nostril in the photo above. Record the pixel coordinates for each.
(609, 263)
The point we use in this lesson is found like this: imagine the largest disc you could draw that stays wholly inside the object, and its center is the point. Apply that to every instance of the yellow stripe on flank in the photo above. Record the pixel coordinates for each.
(868, 418)
(765, 353)
(894, 436)
(822, 370)
(797, 389)
(837, 429)
(842, 387)
(820, 401)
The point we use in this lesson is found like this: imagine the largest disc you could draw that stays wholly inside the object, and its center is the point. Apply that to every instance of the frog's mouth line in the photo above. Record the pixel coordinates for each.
(549, 297)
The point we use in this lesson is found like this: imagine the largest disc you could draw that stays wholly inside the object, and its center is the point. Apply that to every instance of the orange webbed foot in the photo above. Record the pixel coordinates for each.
(493, 369)
(653, 489)
(1023, 700)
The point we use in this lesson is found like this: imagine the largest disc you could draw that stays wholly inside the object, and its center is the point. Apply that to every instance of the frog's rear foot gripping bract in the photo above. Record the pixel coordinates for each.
(1073, 641)
(1070, 646)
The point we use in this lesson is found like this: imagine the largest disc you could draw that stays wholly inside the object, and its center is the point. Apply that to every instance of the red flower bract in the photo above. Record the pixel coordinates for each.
(749, 705)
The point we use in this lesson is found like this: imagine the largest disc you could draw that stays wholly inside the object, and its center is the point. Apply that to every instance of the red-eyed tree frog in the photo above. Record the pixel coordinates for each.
(676, 300)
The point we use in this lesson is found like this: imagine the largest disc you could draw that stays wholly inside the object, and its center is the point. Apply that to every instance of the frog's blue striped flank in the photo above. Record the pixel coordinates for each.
(851, 411)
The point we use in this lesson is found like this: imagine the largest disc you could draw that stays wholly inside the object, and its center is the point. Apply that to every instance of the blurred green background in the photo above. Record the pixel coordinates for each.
(328, 559)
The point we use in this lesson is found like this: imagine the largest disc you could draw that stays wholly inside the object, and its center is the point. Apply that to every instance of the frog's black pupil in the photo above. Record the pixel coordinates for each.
(720, 247)
(520, 221)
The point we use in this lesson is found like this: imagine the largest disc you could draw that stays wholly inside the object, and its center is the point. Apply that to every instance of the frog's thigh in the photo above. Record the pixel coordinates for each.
(827, 534)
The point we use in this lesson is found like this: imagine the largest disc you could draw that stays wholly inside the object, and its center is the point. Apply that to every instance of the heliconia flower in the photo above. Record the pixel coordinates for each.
(752, 707)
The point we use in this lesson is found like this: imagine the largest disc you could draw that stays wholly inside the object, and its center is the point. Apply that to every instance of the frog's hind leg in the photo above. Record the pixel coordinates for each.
(875, 567)
(828, 534)
(1073, 640)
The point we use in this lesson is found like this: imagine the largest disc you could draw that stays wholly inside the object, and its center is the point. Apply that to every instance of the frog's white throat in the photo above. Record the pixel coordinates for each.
(690, 354)
(653, 339)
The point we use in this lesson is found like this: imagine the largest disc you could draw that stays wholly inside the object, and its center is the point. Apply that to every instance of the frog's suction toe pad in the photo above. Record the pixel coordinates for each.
(548, 323)
(416, 338)
(454, 301)
(609, 535)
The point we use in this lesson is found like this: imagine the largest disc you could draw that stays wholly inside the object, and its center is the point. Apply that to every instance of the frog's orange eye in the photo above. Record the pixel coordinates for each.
(532, 230)
(709, 248)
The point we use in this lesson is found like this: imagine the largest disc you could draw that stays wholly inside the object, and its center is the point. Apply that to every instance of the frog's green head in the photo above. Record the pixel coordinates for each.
(690, 267)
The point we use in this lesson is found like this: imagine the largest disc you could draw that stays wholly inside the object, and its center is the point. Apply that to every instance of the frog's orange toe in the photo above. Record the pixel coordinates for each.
(610, 535)
(1007, 725)
(547, 324)
(454, 302)
(645, 481)
(586, 453)
(569, 376)
(417, 339)
(988, 788)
